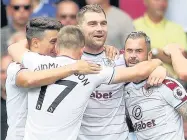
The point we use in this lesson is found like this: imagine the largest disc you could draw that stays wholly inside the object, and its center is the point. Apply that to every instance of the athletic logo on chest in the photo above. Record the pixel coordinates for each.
(109, 62)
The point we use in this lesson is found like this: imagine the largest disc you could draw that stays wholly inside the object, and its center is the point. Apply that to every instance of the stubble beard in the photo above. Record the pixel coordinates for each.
(94, 45)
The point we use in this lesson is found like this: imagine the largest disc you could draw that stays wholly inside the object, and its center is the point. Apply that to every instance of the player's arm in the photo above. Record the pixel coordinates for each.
(156, 77)
(179, 62)
(159, 53)
(183, 111)
(136, 73)
(17, 50)
(28, 79)
(174, 93)
(180, 65)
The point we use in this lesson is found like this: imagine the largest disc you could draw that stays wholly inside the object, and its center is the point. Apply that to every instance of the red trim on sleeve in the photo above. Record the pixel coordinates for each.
(184, 99)
(170, 84)
(178, 91)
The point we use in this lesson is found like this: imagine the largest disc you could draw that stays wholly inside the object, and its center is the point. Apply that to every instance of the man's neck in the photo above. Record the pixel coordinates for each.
(70, 53)
(154, 19)
(93, 51)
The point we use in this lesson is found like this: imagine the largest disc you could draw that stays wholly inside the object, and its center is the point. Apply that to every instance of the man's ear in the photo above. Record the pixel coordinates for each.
(82, 51)
(150, 55)
(34, 42)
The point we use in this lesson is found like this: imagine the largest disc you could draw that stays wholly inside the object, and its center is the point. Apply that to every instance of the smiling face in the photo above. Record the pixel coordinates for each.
(42, 34)
(46, 44)
(94, 26)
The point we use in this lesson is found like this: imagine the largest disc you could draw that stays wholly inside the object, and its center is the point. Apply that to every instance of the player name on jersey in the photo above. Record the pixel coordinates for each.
(83, 79)
(46, 66)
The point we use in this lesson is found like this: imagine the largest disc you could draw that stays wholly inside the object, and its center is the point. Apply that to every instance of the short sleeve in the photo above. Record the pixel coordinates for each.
(174, 93)
(12, 72)
(32, 60)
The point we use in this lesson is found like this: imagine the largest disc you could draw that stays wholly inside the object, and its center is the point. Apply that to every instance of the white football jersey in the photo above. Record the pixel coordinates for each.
(104, 117)
(153, 111)
(16, 104)
(55, 111)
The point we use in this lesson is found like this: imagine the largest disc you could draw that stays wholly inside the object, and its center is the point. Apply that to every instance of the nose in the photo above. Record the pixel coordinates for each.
(99, 27)
(133, 54)
(22, 9)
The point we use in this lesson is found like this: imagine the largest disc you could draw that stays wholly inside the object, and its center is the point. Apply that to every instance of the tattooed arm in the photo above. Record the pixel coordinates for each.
(183, 111)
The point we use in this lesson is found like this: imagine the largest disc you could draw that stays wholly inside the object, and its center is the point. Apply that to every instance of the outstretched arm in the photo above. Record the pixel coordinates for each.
(136, 73)
(28, 79)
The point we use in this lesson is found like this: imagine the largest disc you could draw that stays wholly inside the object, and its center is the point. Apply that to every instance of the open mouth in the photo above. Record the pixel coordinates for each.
(98, 36)
(133, 62)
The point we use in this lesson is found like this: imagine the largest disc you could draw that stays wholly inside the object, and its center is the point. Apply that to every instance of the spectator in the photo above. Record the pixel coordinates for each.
(66, 12)
(160, 30)
(40, 8)
(176, 12)
(5, 61)
(119, 23)
(20, 11)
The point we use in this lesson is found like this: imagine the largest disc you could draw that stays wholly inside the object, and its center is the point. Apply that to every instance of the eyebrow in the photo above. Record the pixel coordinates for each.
(92, 21)
(97, 21)
(139, 49)
(104, 21)
(53, 39)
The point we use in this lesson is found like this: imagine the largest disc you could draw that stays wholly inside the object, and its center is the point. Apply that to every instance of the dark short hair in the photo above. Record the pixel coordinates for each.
(89, 8)
(140, 34)
(36, 27)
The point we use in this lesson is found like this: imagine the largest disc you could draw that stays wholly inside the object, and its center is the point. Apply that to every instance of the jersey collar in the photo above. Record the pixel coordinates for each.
(93, 54)
(140, 84)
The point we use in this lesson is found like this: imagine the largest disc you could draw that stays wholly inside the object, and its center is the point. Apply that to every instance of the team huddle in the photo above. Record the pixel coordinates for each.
(64, 85)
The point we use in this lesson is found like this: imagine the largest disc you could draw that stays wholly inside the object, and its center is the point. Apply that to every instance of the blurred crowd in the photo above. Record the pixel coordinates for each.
(164, 21)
